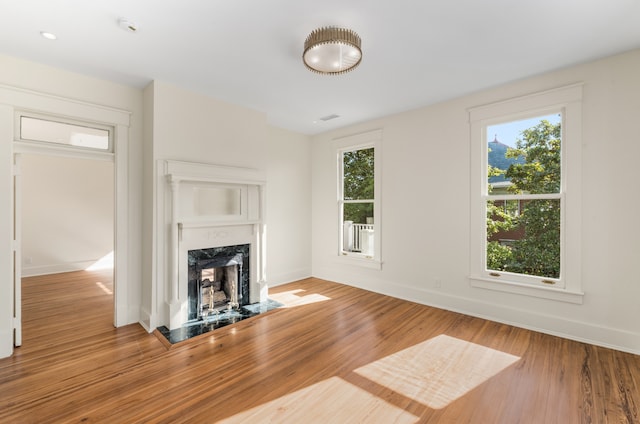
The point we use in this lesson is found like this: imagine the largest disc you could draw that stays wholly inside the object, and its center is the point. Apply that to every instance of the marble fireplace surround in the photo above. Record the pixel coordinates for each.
(214, 206)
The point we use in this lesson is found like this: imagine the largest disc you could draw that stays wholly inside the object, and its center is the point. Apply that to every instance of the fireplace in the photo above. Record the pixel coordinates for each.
(215, 243)
(219, 279)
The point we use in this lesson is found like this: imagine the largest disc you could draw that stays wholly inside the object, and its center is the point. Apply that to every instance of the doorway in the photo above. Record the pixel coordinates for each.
(67, 219)
(67, 213)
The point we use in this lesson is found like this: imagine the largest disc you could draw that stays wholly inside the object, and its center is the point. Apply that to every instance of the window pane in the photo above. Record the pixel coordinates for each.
(524, 156)
(358, 228)
(358, 168)
(526, 243)
(63, 133)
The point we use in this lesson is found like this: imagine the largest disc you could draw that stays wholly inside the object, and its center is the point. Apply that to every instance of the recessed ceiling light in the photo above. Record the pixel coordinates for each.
(48, 35)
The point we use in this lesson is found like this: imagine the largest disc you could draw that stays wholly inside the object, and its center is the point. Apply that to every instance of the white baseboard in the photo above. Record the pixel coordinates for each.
(6, 343)
(612, 338)
(284, 278)
(146, 320)
(128, 314)
(33, 271)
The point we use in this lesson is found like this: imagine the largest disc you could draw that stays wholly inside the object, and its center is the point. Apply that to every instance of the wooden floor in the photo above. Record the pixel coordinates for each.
(335, 354)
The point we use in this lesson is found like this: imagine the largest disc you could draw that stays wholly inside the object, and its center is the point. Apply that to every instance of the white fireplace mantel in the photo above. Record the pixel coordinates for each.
(213, 206)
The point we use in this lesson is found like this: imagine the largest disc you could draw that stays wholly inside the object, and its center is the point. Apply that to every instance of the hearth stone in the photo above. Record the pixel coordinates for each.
(196, 328)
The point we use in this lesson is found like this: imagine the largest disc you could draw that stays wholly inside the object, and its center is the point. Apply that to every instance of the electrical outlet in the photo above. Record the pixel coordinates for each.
(438, 283)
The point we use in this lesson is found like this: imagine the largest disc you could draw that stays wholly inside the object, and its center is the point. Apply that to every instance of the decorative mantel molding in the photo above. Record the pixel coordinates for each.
(207, 173)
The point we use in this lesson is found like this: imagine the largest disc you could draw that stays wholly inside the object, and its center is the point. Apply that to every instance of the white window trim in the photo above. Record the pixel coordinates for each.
(568, 99)
(349, 143)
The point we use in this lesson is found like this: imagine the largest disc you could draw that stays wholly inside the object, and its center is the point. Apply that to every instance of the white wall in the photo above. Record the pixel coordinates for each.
(425, 209)
(288, 206)
(67, 213)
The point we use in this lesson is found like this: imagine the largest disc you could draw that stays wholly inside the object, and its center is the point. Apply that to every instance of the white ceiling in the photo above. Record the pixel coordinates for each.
(248, 52)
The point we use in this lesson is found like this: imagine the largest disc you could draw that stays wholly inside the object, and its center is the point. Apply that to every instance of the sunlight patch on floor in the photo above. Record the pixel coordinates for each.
(106, 262)
(438, 371)
(330, 401)
(104, 288)
(293, 298)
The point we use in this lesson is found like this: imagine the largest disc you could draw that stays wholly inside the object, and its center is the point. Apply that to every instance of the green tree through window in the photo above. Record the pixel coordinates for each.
(357, 201)
(358, 174)
(535, 248)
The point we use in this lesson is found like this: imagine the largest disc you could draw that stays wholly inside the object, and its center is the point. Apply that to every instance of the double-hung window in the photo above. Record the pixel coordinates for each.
(525, 224)
(359, 197)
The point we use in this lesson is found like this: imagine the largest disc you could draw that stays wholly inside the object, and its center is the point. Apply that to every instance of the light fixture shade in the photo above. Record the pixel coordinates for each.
(332, 50)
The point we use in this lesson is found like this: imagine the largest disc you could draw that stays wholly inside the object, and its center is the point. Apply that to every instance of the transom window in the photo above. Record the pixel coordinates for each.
(67, 134)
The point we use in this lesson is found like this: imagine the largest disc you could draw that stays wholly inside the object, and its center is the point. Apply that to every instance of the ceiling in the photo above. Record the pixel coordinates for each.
(248, 52)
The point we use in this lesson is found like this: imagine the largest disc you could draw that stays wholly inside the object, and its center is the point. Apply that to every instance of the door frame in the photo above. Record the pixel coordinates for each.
(14, 100)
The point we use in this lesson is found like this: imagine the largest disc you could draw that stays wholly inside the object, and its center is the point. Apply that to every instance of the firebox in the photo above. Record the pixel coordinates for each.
(218, 287)
(218, 279)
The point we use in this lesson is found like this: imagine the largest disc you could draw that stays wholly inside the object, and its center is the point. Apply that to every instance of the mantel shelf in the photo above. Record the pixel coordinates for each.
(179, 171)
(215, 223)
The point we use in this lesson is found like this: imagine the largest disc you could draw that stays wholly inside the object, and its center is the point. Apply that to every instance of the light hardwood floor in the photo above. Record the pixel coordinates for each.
(335, 354)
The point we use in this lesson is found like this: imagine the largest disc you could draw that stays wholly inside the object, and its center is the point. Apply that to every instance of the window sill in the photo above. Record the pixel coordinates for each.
(359, 260)
(561, 295)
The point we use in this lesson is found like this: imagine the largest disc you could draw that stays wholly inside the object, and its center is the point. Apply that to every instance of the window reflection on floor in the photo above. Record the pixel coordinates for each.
(438, 371)
(294, 298)
(329, 401)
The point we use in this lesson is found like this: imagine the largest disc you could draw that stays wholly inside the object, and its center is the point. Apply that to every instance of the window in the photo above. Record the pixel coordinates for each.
(525, 197)
(524, 208)
(47, 130)
(359, 196)
(357, 201)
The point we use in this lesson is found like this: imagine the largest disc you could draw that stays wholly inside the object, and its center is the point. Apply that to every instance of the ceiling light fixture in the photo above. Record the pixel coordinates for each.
(332, 50)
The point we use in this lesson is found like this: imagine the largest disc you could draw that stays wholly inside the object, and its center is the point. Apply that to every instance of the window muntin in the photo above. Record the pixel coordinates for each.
(64, 133)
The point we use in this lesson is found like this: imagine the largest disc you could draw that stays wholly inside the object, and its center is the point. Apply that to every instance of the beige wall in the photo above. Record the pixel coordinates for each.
(168, 123)
(187, 126)
(191, 127)
(67, 213)
(288, 206)
(425, 194)
(425, 209)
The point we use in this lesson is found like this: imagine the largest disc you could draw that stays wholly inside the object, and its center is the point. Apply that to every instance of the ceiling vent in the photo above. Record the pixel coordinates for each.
(329, 117)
